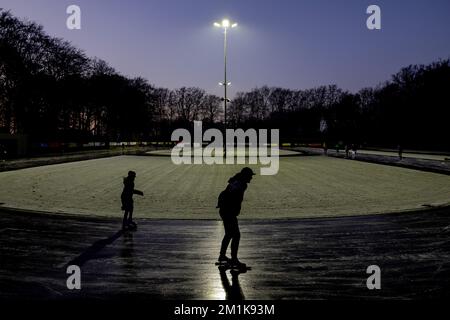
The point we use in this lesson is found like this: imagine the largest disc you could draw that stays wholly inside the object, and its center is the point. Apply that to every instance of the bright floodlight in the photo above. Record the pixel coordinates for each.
(225, 24)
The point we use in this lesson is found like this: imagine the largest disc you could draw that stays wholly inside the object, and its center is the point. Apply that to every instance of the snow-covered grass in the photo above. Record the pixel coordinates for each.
(305, 186)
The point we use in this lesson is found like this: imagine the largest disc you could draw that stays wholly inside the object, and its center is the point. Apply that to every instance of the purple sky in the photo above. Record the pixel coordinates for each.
(294, 44)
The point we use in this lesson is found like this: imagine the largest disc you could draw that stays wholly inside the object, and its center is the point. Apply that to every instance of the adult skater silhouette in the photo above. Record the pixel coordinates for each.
(230, 201)
(127, 199)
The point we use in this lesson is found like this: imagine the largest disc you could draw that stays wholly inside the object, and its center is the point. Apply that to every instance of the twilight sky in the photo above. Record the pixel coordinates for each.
(290, 43)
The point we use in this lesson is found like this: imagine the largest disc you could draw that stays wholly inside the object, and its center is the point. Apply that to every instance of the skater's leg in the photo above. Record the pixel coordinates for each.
(125, 219)
(236, 237)
(235, 245)
(225, 242)
(130, 217)
(226, 238)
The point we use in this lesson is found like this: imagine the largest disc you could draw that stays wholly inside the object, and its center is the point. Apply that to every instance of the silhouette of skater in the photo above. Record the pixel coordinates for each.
(127, 199)
(230, 201)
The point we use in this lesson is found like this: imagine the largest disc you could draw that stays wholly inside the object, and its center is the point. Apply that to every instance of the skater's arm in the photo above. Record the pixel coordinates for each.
(138, 192)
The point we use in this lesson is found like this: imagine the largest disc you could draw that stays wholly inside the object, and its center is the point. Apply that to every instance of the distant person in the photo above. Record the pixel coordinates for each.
(337, 146)
(354, 151)
(325, 148)
(347, 150)
(127, 199)
(3, 153)
(229, 202)
(400, 152)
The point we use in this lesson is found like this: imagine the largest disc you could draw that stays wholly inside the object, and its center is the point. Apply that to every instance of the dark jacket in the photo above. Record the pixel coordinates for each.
(128, 190)
(231, 198)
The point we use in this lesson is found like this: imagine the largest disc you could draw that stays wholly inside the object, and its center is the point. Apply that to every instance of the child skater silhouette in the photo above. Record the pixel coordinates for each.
(127, 200)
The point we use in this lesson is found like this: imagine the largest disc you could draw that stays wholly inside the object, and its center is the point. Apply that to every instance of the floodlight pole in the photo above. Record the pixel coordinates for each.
(225, 83)
(225, 25)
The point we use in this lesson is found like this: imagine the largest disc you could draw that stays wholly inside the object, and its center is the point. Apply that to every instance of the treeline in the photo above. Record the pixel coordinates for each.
(52, 91)
(412, 110)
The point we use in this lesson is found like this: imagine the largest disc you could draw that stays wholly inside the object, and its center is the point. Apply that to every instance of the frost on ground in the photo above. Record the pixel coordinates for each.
(304, 187)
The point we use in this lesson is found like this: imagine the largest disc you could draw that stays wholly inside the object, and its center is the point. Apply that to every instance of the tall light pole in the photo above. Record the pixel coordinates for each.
(225, 25)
